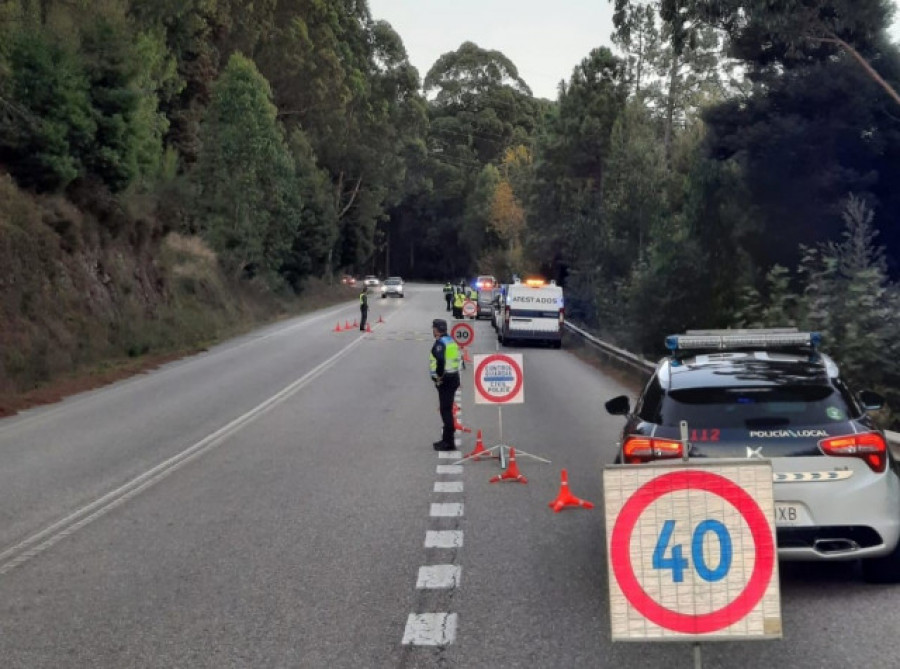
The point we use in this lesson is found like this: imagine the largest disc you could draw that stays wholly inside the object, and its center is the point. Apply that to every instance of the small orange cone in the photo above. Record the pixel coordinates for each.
(368, 328)
(512, 472)
(466, 357)
(347, 325)
(380, 319)
(456, 424)
(478, 450)
(355, 323)
(566, 498)
(337, 328)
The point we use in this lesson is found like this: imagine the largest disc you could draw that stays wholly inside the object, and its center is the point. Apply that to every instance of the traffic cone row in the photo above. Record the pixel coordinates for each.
(456, 424)
(512, 472)
(354, 326)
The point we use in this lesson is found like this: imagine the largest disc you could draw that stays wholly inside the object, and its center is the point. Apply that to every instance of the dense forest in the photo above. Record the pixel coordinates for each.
(720, 163)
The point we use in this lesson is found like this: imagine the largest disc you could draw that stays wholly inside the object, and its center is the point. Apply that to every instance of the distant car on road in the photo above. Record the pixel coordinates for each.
(393, 285)
(348, 280)
(486, 303)
(371, 280)
(485, 283)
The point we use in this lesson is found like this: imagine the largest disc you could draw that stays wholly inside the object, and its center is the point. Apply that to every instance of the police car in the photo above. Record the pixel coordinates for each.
(772, 394)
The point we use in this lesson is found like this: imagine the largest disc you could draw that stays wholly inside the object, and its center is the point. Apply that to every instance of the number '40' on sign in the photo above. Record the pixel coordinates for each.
(678, 564)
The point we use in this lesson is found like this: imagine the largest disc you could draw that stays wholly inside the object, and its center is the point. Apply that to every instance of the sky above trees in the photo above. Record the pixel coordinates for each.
(544, 39)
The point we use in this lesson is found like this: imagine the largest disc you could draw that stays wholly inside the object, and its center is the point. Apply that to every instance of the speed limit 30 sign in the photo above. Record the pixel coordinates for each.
(463, 334)
(692, 551)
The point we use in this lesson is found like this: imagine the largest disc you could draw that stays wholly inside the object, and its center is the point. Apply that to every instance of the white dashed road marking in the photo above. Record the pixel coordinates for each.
(448, 510)
(448, 486)
(449, 455)
(441, 576)
(430, 629)
(444, 539)
(449, 469)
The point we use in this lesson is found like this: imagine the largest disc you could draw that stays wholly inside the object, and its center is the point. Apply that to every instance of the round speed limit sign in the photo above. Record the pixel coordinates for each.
(463, 334)
(692, 551)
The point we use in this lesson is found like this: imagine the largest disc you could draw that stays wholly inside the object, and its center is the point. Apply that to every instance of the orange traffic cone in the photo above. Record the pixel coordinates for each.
(512, 472)
(380, 319)
(479, 449)
(347, 325)
(355, 323)
(456, 424)
(368, 328)
(466, 357)
(337, 328)
(566, 498)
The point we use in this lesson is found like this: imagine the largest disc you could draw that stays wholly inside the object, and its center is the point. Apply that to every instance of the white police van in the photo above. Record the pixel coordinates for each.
(533, 310)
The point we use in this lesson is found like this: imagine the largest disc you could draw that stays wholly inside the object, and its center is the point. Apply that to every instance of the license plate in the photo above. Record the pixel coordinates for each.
(791, 515)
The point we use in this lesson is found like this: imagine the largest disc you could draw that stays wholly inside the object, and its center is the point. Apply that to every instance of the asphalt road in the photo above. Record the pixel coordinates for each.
(268, 504)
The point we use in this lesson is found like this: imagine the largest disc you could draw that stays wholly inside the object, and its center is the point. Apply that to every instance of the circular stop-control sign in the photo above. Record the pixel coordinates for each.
(463, 334)
(469, 309)
(499, 379)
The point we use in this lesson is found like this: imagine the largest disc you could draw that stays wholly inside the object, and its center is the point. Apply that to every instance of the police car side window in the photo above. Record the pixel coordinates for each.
(650, 405)
(856, 411)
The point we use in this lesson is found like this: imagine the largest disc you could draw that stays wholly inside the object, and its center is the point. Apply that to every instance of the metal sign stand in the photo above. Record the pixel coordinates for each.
(685, 456)
(501, 448)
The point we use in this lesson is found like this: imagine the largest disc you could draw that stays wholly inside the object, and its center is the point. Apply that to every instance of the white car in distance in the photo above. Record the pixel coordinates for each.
(392, 286)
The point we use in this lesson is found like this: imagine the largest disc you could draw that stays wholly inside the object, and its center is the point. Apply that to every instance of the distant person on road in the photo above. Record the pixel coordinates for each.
(458, 299)
(448, 295)
(363, 307)
(444, 369)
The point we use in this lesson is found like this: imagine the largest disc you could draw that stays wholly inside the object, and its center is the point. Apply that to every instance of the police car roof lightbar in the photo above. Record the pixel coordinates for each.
(736, 339)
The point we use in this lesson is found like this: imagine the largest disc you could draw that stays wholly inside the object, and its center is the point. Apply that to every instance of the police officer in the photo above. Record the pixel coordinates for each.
(363, 307)
(448, 295)
(444, 368)
(458, 299)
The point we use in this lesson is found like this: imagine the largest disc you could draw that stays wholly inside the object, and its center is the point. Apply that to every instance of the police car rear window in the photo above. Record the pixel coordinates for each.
(753, 408)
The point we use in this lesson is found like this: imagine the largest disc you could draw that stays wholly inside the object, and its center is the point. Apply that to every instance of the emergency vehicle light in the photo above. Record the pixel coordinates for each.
(534, 283)
(736, 339)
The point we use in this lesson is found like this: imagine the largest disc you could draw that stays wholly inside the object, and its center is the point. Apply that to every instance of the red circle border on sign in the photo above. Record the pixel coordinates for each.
(471, 312)
(620, 552)
(516, 388)
(463, 326)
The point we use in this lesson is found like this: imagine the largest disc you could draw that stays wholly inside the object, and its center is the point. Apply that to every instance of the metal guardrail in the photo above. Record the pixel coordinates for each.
(635, 362)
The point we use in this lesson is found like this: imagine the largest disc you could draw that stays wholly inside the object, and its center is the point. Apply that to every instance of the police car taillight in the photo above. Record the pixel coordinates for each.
(644, 449)
(870, 446)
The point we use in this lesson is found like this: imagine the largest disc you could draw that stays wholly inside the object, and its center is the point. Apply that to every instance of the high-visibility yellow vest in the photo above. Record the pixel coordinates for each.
(458, 300)
(451, 356)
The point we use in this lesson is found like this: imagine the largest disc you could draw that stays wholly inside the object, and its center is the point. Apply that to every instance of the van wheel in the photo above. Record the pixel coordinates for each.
(884, 569)
(557, 344)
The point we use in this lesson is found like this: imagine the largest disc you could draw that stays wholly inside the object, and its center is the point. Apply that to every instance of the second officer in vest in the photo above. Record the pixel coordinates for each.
(444, 368)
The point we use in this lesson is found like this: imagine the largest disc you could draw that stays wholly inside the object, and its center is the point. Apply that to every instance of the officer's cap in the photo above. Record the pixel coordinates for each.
(440, 325)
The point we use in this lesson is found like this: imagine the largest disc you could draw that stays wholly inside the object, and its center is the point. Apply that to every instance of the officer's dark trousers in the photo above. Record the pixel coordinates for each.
(457, 312)
(446, 395)
(449, 299)
(363, 313)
